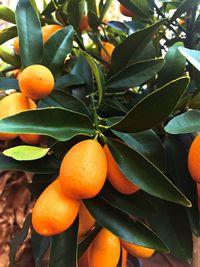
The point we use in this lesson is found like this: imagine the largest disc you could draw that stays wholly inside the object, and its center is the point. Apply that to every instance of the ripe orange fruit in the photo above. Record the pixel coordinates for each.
(84, 26)
(54, 212)
(126, 12)
(10, 105)
(86, 221)
(31, 139)
(83, 170)
(83, 261)
(47, 31)
(124, 258)
(116, 177)
(109, 48)
(104, 250)
(36, 81)
(137, 251)
(194, 159)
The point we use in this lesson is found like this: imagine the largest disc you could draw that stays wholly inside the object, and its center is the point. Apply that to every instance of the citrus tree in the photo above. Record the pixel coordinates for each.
(103, 113)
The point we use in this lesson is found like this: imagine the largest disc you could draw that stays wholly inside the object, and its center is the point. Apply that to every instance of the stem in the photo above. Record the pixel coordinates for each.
(95, 115)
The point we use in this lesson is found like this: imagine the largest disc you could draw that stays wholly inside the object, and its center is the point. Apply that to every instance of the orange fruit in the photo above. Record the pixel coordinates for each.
(83, 170)
(86, 221)
(31, 139)
(109, 49)
(47, 31)
(194, 159)
(54, 211)
(116, 177)
(104, 250)
(83, 261)
(126, 12)
(84, 26)
(124, 258)
(11, 105)
(181, 21)
(36, 81)
(137, 251)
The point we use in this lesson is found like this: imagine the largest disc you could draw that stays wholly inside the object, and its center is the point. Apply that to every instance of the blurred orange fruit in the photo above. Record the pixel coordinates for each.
(84, 26)
(136, 250)
(83, 261)
(126, 12)
(54, 211)
(194, 159)
(83, 170)
(106, 55)
(86, 221)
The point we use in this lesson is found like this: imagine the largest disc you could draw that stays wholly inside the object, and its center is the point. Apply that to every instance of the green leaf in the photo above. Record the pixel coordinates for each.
(138, 7)
(63, 248)
(18, 240)
(187, 122)
(193, 56)
(68, 80)
(8, 83)
(146, 143)
(132, 47)
(144, 174)
(26, 152)
(135, 205)
(145, 115)
(97, 74)
(39, 244)
(9, 56)
(174, 65)
(62, 124)
(30, 35)
(75, 7)
(50, 8)
(56, 49)
(45, 165)
(122, 225)
(7, 14)
(136, 74)
(104, 7)
(7, 34)
(63, 99)
(195, 101)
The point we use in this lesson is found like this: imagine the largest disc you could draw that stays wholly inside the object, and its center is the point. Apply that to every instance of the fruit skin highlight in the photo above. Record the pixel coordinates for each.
(54, 212)
(36, 81)
(83, 170)
(86, 221)
(116, 177)
(194, 159)
(126, 12)
(109, 48)
(137, 251)
(104, 250)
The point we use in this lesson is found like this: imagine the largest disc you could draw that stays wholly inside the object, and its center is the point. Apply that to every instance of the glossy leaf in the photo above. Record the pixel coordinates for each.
(136, 74)
(144, 174)
(18, 240)
(39, 244)
(62, 124)
(7, 14)
(47, 164)
(120, 224)
(63, 248)
(145, 115)
(29, 32)
(193, 56)
(56, 49)
(183, 7)
(68, 80)
(75, 7)
(146, 143)
(26, 153)
(187, 122)
(132, 47)
(63, 99)
(7, 34)
(9, 57)
(97, 74)
(8, 83)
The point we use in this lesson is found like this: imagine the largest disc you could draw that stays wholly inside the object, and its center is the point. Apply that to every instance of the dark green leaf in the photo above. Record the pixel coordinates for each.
(62, 124)
(68, 80)
(30, 35)
(187, 122)
(193, 56)
(132, 47)
(39, 244)
(45, 165)
(75, 7)
(7, 14)
(136, 74)
(56, 49)
(7, 34)
(145, 115)
(123, 226)
(18, 240)
(8, 83)
(104, 7)
(63, 248)
(9, 57)
(144, 174)
(50, 8)
(195, 101)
